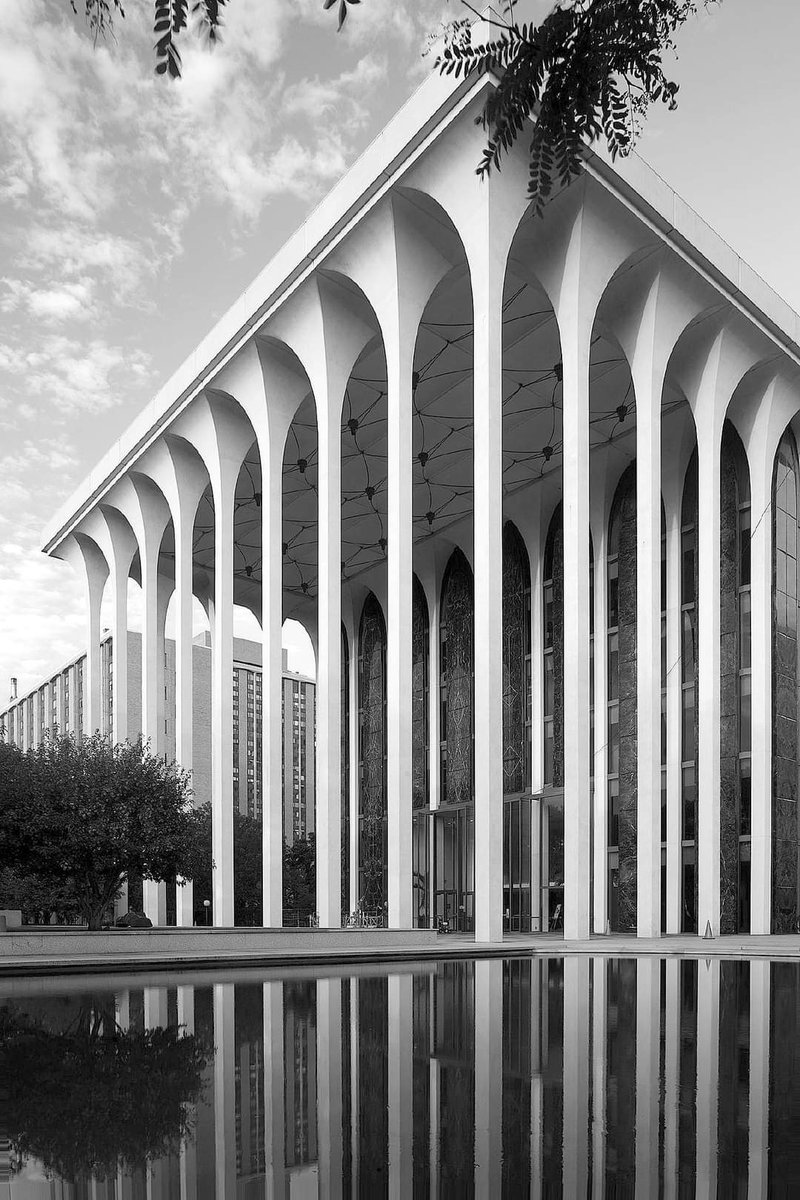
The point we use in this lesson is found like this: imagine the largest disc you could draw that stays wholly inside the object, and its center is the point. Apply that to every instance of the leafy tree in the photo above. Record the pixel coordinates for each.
(247, 858)
(91, 1098)
(300, 876)
(37, 896)
(590, 69)
(88, 814)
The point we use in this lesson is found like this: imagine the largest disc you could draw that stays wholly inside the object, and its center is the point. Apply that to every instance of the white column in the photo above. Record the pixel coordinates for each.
(272, 684)
(536, 555)
(648, 1038)
(96, 573)
(224, 1090)
(707, 1075)
(575, 1163)
(762, 709)
(274, 1077)
(222, 700)
(674, 680)
(119, 680)
(352, 799)
(487, 293)
(184, 679)
(708, 698)
(488, 1076)
(577, 849)
(401, 1085)
(758, 1124)
(648, 664)
(600, 765)
(329, 1086)
(400, 554)
(154, 896)
(329, 663)
(434, 712)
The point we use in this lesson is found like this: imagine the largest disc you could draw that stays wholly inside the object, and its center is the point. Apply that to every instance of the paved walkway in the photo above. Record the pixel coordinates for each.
(172, 957)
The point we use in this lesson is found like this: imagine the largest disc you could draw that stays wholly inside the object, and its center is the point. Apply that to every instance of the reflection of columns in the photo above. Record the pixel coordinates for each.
(648, 1042)
(329, 1086)
(156, 1017)
(487, 289)
(599, 1070)
(401, 1085)
(707, 1072)
(272, 683)
(224, 1090)
(273, 1090)
(708, 667)
(577, 872)
(672, 1051)
(600, 764)
(575, 1161)
(674, 680)
(488, 1077)
(761, 677)
(188, 1151)
(648, 662)
(758, 1125)
(398, 631)
(329, 665)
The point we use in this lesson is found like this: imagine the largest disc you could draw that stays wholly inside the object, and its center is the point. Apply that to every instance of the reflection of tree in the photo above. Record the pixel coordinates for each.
(93, 1097)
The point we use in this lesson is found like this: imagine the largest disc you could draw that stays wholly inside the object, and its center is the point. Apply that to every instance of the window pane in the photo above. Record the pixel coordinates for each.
(689, 802)
(613, 666)
(549, 685)
(688, 656)
(613, 739)
(744, 629)
(744, 796)
(613, 595)
(744, 713)
(687, 732)
(687, 568)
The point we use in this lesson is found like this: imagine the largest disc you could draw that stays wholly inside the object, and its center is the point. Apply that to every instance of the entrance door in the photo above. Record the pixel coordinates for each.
(551, 860)
(454, 850)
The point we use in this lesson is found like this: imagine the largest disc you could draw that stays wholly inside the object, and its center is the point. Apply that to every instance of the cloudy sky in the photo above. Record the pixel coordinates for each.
(134, 211)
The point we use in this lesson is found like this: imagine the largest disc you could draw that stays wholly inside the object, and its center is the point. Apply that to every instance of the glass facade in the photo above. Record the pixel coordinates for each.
(372, 758)
(553, 652)
(345, 768)
(688, 700)
(785, 875)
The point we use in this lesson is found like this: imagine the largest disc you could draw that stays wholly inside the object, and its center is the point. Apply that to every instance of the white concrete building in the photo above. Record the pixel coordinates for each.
(527, 483)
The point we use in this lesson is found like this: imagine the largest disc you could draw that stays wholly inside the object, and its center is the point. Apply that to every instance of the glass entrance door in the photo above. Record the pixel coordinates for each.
(454, 850)
(551, 860)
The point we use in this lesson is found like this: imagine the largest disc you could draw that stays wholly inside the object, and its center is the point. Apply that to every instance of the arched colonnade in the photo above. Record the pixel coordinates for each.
(448, 364)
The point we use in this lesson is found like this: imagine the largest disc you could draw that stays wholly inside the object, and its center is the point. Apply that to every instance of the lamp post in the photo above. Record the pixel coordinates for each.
(207, 907)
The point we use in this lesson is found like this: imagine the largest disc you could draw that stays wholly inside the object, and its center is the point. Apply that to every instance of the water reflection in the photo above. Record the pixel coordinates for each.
(599, 1077)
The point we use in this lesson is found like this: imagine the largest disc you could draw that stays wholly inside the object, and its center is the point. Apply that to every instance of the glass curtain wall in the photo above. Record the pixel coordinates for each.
(688, 700)
(785, 841)
(345, 760)
(420, 765)
(372, 816)
(516, 731)
(454, 822)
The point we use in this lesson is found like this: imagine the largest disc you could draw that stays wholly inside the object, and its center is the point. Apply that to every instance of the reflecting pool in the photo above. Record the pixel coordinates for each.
(516, 1076)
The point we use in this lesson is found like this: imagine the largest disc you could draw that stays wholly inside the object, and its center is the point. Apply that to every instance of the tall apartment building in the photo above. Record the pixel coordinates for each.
(58, 702)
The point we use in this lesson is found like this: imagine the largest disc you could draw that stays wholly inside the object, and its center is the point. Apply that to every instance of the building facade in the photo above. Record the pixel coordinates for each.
(531, 484)
(59, 704)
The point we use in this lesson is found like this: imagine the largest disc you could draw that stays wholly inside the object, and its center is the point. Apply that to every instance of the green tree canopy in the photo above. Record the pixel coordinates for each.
(590, 69)
(93, 1097)
(86, 815)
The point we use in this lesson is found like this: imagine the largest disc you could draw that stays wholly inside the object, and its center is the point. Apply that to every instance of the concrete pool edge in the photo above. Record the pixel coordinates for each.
(394, 946)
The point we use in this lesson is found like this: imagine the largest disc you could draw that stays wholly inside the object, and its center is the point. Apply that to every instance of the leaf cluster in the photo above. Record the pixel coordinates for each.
(86, 815)
(90, 1099)
(172, 18)
(591, 68)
